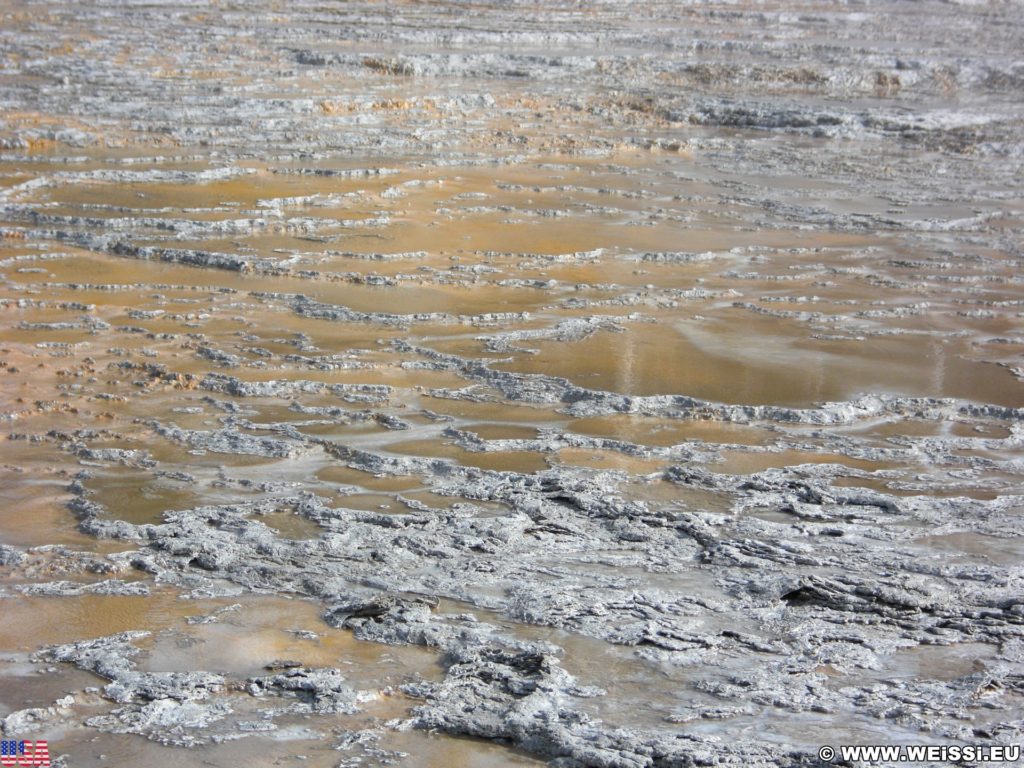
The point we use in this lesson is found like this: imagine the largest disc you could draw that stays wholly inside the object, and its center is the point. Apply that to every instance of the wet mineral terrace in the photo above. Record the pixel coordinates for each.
(609, 384)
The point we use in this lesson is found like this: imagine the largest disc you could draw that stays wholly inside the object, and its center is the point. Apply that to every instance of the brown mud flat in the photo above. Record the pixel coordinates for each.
(607, 385)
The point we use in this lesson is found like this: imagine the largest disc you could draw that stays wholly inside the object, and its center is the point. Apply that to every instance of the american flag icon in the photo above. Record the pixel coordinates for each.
(24, 753)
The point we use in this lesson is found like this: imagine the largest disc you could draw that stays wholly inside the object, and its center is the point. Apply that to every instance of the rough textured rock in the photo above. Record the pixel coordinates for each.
(651, 370)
